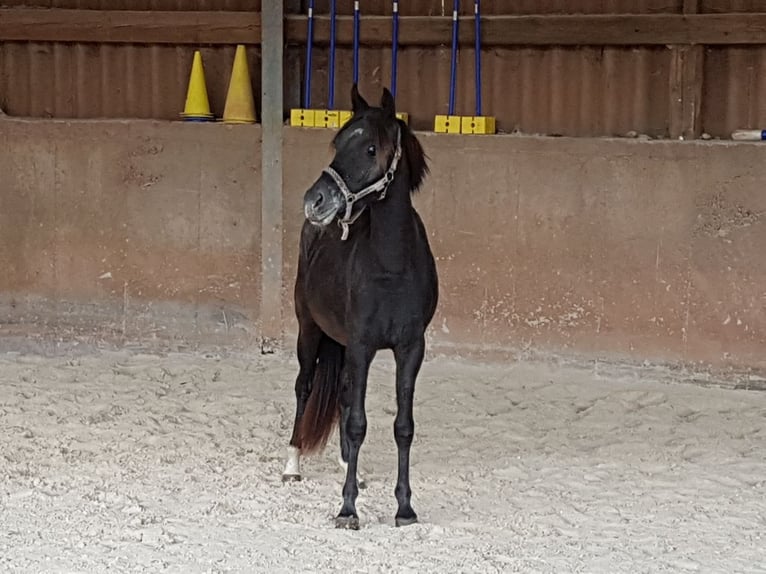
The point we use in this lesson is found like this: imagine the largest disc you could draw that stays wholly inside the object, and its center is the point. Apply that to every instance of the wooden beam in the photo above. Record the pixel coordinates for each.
(129, 26)
(580, 29)
(221, 27)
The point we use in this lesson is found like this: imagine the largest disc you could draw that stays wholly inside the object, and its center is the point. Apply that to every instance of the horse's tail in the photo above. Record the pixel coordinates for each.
(323, 407)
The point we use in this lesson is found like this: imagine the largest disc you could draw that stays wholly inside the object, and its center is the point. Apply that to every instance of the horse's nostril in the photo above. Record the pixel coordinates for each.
(319, 200)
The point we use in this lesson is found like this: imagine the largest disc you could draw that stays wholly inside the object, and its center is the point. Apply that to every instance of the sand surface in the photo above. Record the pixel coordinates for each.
(122, 462)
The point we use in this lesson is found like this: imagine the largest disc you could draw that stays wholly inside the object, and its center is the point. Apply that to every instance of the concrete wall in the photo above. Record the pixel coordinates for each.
(616, 248)
(129, 229)
(610, 248)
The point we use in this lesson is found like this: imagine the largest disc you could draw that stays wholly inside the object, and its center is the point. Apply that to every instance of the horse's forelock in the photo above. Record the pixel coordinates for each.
(376, 127)
(385, 141)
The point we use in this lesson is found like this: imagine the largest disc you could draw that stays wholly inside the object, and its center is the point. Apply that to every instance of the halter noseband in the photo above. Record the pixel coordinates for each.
(380, 186)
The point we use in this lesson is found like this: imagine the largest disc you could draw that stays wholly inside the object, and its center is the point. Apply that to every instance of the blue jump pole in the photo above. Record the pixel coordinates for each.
(394, 46)
(749, 135)
(477, 48)
(453, 70)
(309, 42)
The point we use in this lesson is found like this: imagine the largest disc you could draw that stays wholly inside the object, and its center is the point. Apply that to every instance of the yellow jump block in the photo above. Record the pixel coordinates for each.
(301, 117)
(328, 118)
(477, 125)
(447, 124)
(316, 118)
(345, 116)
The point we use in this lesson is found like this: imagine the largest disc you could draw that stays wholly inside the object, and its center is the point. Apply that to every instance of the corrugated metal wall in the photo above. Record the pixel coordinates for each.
(132, 81)
(586, 91)
(111, 80)
(734, 90)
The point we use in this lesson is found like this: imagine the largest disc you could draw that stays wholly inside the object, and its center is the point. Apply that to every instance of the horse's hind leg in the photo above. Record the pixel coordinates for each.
(408, 361)
(309, 337)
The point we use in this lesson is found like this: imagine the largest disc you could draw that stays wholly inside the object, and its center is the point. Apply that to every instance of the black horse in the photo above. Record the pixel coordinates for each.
(367, 283)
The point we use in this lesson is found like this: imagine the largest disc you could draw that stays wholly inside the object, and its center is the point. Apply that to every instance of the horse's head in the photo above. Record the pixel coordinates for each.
(369, 150)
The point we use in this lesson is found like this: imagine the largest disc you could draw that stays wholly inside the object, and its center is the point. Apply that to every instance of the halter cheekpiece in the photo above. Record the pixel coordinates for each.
(380, 186)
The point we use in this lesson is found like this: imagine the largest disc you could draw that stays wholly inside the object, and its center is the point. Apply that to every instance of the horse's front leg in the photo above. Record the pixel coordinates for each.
(354, 425)
(408, 358)
(309, 337)
(343, 456)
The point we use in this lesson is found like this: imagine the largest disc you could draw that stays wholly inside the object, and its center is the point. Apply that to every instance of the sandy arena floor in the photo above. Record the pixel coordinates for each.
(119, 462)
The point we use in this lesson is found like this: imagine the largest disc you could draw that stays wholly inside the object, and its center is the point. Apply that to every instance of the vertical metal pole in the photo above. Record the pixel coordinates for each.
(309, 47)
(394, 46)
(357, 15)
(477, 49)
(272, 49)
(453, 65)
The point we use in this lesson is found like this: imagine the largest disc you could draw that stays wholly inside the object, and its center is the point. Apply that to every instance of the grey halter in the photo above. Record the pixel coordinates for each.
(380, 186)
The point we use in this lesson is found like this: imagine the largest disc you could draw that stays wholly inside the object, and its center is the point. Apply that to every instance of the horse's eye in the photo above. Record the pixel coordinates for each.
(371, 150)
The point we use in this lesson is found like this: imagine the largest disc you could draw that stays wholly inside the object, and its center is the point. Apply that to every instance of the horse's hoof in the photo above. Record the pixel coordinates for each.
(291, 478)
(406, 520)
(361, 483)
(347, 522)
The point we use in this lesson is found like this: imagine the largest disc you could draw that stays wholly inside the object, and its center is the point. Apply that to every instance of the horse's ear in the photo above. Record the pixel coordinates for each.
(387, 103)
(358, 103)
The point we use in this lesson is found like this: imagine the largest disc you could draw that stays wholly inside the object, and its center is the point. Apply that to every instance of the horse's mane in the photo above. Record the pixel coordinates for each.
(412, 152)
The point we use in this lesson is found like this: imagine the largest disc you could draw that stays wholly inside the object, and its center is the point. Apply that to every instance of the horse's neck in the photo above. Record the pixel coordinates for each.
(391, 227)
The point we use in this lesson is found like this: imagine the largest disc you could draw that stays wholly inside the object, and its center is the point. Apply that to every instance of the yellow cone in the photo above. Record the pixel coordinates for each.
(197, 107)
(239, 108)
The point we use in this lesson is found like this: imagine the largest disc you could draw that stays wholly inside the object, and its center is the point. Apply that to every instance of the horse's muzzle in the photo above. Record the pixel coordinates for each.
(320, 204)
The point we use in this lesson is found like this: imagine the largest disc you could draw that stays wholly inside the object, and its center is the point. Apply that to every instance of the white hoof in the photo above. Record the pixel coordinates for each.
(292, 470)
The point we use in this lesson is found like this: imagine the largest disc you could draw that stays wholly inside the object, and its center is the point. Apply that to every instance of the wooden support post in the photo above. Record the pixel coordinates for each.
(686, 77)
(272, 50)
